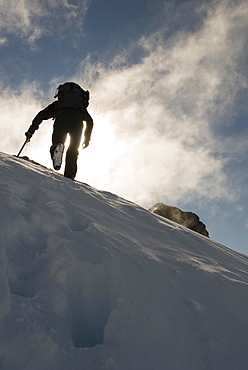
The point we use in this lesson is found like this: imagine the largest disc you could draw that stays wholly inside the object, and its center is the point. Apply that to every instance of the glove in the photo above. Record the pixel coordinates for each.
(28, 136)
(85, 144)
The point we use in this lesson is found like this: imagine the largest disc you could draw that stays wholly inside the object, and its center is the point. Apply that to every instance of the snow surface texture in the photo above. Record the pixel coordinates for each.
(91, 281)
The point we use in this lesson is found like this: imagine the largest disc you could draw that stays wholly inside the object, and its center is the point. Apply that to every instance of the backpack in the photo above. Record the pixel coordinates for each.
(71, 95)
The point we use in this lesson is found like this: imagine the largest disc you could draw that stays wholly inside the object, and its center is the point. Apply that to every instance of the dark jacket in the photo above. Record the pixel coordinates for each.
(51, 111)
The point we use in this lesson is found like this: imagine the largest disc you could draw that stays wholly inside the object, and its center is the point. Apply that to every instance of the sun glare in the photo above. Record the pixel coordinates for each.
(95, 162)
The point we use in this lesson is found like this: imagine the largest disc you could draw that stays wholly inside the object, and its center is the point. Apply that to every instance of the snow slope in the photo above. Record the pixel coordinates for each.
(89, 281)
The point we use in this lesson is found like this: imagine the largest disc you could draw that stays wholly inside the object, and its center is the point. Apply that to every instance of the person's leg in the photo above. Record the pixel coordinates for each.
(59, 135)
(72, 151)
(58, 140)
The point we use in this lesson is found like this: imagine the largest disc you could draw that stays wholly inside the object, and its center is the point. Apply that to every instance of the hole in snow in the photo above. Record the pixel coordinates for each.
(90, 304)
(23, 280)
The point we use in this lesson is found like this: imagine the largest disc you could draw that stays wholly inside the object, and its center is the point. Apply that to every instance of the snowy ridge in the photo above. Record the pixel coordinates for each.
(89, 280)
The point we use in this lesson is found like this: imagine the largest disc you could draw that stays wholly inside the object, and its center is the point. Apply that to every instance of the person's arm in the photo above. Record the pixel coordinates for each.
(88, 130)
(44, 114)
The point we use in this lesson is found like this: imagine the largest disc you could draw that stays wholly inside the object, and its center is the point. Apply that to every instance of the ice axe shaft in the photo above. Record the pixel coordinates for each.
(26, 141)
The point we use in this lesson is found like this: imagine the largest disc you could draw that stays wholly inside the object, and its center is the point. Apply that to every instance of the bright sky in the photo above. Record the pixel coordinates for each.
(168, 83)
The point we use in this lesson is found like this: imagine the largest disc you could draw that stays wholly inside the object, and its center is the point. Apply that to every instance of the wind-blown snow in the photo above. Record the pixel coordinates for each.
(89, 281)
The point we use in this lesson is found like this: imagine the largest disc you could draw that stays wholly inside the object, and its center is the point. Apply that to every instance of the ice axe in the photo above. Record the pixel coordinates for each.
(26, 141)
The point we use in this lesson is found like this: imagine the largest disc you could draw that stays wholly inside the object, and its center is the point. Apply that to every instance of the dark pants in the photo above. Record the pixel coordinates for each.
(68, 122)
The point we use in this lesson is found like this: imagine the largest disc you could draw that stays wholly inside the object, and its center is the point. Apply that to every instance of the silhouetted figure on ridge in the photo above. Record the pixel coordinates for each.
(69, 113)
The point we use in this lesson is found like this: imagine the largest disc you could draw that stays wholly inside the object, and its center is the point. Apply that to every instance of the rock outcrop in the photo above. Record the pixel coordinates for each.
(187, 219)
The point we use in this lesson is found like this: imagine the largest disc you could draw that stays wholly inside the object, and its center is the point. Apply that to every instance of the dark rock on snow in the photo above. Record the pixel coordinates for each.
(187, 219)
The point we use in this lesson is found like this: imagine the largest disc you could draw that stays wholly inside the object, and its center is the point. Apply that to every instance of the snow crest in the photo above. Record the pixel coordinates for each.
(91, 281)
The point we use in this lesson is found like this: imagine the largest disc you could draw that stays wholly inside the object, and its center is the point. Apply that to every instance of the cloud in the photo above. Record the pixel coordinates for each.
(155, 133)
(31, 19)
(164, 110)
(3, 41)
(18, 108)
